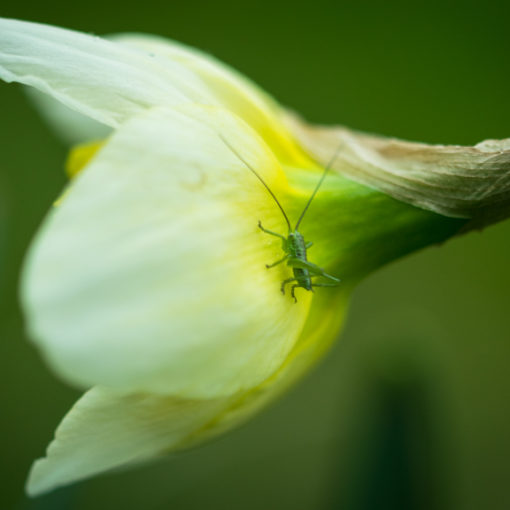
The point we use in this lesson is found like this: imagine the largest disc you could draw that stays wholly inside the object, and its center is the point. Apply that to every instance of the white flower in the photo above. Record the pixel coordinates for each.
(147, 282)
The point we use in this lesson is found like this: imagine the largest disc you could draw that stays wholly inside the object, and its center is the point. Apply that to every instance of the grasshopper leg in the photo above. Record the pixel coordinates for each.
(269, 266)
(292, 292)
(314, 269)
(326, 284)
(270, 232)
(329, 277)
(286, 282)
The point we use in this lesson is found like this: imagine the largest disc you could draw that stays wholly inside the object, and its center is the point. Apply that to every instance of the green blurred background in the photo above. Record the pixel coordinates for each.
(411, 410)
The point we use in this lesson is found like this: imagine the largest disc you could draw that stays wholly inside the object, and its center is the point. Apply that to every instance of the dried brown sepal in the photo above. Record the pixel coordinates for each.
(452, 180)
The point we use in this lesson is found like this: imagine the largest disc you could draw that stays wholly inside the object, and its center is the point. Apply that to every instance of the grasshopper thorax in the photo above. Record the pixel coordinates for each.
(296, 246)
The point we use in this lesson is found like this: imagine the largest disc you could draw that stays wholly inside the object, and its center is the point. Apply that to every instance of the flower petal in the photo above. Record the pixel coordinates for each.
(233, 90)
(105, 430)
(106, 81)
(70, 126)
(150, 275)
(230, 88)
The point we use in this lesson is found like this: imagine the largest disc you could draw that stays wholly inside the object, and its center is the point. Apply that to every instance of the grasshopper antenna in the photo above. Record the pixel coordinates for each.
(258, 177)
(326, 170)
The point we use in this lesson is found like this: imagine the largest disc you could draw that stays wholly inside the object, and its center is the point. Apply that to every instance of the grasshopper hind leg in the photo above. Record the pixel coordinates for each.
(326, 284)
(293, 290)
(286, 282)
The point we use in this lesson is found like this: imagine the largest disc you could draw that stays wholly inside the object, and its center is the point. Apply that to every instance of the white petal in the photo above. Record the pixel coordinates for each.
(232, 89)
(151, 273)
(229, 88)
(106, 81)
(69, 125)
(105, 430)
(322, 327)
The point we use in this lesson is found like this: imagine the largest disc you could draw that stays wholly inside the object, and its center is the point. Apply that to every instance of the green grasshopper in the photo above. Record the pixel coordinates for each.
(294, 245)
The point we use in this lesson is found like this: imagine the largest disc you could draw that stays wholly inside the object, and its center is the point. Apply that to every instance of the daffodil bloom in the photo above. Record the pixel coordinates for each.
(147, 283)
